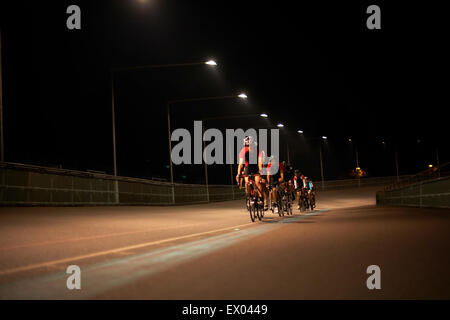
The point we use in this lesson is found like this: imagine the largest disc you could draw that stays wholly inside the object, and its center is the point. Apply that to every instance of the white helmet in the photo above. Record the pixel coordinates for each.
(249, 140)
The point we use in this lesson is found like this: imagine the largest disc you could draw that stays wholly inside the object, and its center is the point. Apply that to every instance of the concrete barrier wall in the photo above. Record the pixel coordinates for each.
(433, 193)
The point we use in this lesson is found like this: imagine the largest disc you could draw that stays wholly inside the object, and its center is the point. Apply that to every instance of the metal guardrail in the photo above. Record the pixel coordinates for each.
(431, 193)
(361, 182)
(34, 185)
(22, 184)
(432, 173)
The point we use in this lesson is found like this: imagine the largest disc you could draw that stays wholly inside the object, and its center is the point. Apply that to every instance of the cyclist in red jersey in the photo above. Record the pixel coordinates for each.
(245, 162)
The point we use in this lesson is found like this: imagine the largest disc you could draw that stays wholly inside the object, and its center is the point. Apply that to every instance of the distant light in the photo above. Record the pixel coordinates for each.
(280, 125)
(300, 131)
(324, 138)
(264, 115)
(383, 142)
(430, 166)
(242, 96)
(358, 168)
(349, 140)
(211, 63)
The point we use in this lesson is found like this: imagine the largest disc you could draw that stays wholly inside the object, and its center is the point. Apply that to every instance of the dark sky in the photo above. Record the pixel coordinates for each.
(310, 66)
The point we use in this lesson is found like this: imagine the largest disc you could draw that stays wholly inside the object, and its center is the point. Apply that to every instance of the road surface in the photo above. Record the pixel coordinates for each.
(213, 251)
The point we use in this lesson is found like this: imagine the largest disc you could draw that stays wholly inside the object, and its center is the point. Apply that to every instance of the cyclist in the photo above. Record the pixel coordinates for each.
(262, 164)
(289, 178)
(250, 146)
(298, 185)
(275, 178)
(311, 192)
(300, 182)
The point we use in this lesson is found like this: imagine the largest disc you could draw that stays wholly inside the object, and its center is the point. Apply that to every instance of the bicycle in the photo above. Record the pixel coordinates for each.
(253, 200)
(303, 200)
(275, 204)
(285, 200)
(312, 200)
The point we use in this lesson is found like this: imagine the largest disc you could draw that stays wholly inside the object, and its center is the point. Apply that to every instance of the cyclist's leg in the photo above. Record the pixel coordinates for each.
(258, 185)
(246, 185)
(264, 191)
(274, 193)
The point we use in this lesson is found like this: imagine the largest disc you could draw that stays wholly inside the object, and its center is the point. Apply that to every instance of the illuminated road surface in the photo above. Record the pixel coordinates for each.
(214, 252)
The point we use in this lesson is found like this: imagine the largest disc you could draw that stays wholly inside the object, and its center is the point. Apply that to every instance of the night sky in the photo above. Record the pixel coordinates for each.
(314, 67)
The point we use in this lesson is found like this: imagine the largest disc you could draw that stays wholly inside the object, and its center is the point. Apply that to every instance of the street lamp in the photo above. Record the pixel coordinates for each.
(280, 125)
(154, 66)
(300, 131)
(264, 115)
(242, 96)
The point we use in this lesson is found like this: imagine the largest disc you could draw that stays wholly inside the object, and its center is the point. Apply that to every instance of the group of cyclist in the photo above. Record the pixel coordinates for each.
(273, 179)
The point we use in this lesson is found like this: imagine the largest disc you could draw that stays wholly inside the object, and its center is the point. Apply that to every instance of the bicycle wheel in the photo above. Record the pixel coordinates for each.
(247, 203)
(259, 212)
(283, 206)
(302, 202)
(290, 208)
(280, 209)
(252, 212)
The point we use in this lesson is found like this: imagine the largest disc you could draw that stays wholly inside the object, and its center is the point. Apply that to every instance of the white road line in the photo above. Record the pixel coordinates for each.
(105, 252)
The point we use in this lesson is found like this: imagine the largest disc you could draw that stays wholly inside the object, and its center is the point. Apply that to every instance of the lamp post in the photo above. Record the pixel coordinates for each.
(2, 149)
(321, 162)
(171, 102)
(154, 66)
(396, 165)
(437, 162)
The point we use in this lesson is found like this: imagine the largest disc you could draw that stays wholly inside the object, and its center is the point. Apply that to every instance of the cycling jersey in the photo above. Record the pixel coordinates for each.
(274, 176)
(299, 182)
(288, 173)
(249, 168)
(310, 185)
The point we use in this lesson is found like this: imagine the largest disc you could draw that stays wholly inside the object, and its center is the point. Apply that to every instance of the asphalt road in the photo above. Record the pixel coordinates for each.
(214, 252)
